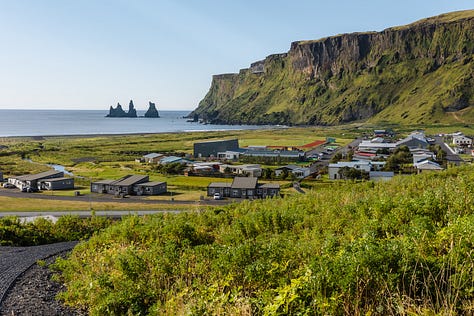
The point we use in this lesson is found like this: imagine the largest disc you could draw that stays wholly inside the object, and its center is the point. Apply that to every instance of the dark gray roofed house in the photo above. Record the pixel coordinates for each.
(31, 180)
(223, 188)
(56, 184)
(150, 188)
(122, 186)
(243, 187)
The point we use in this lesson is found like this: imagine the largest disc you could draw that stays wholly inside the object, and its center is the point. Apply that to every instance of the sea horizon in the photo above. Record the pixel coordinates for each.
(56, 122)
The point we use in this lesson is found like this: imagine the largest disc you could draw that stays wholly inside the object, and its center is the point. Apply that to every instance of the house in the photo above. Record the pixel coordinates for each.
(427, 165)
(294, 155)
(124, 186)
(297, 171)
(204, 167)
(152, 158)
(174, 159)
(56, 184)
(244, 187)
(229, 154)
(414, 140)
(268, 190)
(211, 148)
(31, 180)
(381, 175)
(461, 140)
(253, 170)
(333, 168)
(420, 156)
(150, 188)
(223, 188)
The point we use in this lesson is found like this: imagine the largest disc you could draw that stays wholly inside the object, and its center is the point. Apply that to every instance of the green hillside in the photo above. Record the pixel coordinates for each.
(414, 74)
(405, 247)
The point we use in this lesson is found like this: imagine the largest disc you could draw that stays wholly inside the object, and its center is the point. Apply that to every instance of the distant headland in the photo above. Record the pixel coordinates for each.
(132, 112)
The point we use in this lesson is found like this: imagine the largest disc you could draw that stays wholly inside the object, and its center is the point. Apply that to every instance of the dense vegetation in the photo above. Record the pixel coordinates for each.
(401, 247)
(16, 232)
(420, 73)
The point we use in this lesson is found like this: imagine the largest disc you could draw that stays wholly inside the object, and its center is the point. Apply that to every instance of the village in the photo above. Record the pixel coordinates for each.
(253, 172)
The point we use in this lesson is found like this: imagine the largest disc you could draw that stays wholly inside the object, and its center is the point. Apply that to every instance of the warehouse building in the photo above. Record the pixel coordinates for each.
(211, 148)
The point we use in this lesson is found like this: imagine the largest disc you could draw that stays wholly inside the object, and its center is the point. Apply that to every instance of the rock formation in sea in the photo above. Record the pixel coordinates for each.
(152, 111)
(119, 112)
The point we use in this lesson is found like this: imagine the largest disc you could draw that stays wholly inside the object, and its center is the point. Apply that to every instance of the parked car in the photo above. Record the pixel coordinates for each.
(8, 185)
(217, 196)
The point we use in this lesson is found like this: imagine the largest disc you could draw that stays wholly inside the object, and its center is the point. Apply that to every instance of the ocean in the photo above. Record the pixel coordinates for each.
(87, 122)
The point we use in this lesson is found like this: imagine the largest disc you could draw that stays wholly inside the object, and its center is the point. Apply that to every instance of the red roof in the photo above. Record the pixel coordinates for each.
(316, 143)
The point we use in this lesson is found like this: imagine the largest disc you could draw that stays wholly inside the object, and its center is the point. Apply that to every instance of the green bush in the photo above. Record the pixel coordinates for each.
(401, 247)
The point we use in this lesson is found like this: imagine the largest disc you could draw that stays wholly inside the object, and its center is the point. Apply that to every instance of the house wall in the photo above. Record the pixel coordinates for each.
(65, 184)
(207, 149)
(223, 191)
(151, 190)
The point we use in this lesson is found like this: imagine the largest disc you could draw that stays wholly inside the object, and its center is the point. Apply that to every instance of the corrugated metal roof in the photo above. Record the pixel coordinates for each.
(152, 155)
(150, 184)
(244, 183)
(270, 186)
(104, 182)
(220, 185)
(57, 179)
(131, 180)
(38, 176)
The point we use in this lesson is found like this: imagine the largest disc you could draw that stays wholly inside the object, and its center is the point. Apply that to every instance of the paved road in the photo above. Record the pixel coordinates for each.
(451, 157)
(16, 260)
(55, 214)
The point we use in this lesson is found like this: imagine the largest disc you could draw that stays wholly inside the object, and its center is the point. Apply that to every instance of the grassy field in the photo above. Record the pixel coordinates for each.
(9, 204)
(92, 158)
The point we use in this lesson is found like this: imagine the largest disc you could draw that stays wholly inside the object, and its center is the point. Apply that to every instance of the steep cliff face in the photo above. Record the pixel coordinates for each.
(417, 73)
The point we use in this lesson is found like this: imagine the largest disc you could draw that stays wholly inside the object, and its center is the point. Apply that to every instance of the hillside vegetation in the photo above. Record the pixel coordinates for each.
(402, 247)
(414, 74)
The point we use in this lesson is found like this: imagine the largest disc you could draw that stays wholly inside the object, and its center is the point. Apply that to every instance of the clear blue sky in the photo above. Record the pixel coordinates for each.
(90, 54)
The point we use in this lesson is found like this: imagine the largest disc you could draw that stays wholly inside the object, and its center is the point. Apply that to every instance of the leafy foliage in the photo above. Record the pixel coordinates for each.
(16, 232)
(401, 247)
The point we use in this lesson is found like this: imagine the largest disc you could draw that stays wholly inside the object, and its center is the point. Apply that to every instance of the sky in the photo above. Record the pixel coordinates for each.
(91, 54)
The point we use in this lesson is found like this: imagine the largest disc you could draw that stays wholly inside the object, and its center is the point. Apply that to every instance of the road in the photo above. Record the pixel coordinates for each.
(451, 157)
(107, 199)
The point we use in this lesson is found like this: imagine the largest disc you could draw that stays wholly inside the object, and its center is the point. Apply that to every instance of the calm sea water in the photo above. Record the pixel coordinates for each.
(83, 122)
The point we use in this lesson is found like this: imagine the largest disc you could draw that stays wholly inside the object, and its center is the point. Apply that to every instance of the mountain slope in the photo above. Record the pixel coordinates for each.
(418, 73)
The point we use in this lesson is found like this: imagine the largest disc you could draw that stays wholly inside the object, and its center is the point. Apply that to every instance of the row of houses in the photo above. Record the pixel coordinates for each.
(48, 180)
(129, 185)
(243, 187)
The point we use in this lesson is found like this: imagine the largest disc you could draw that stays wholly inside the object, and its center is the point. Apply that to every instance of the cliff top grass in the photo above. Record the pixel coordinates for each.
(442, 18)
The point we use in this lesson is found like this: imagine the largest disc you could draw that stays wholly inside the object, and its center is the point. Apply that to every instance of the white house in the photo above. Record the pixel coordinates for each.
(462, 140)
(427, 165)
(297, 171)
(333, 168)
(152, 158)
(252, 170)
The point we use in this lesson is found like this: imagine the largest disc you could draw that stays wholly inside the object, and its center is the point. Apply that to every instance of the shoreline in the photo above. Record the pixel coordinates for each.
(39, 137)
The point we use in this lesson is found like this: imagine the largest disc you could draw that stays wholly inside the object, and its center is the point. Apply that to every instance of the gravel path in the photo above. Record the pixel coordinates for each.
(25, 287)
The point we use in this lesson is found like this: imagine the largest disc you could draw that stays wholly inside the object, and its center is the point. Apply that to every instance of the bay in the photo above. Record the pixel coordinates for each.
(92, 122)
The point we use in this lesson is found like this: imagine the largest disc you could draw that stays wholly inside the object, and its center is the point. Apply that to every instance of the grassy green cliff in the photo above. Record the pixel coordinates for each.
(418, 73)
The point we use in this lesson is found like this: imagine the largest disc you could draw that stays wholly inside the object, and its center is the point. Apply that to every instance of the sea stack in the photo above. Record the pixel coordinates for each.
(119, 112)
(152, 111)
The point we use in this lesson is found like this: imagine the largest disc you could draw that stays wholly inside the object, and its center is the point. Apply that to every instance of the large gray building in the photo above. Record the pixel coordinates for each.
(211, 148)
